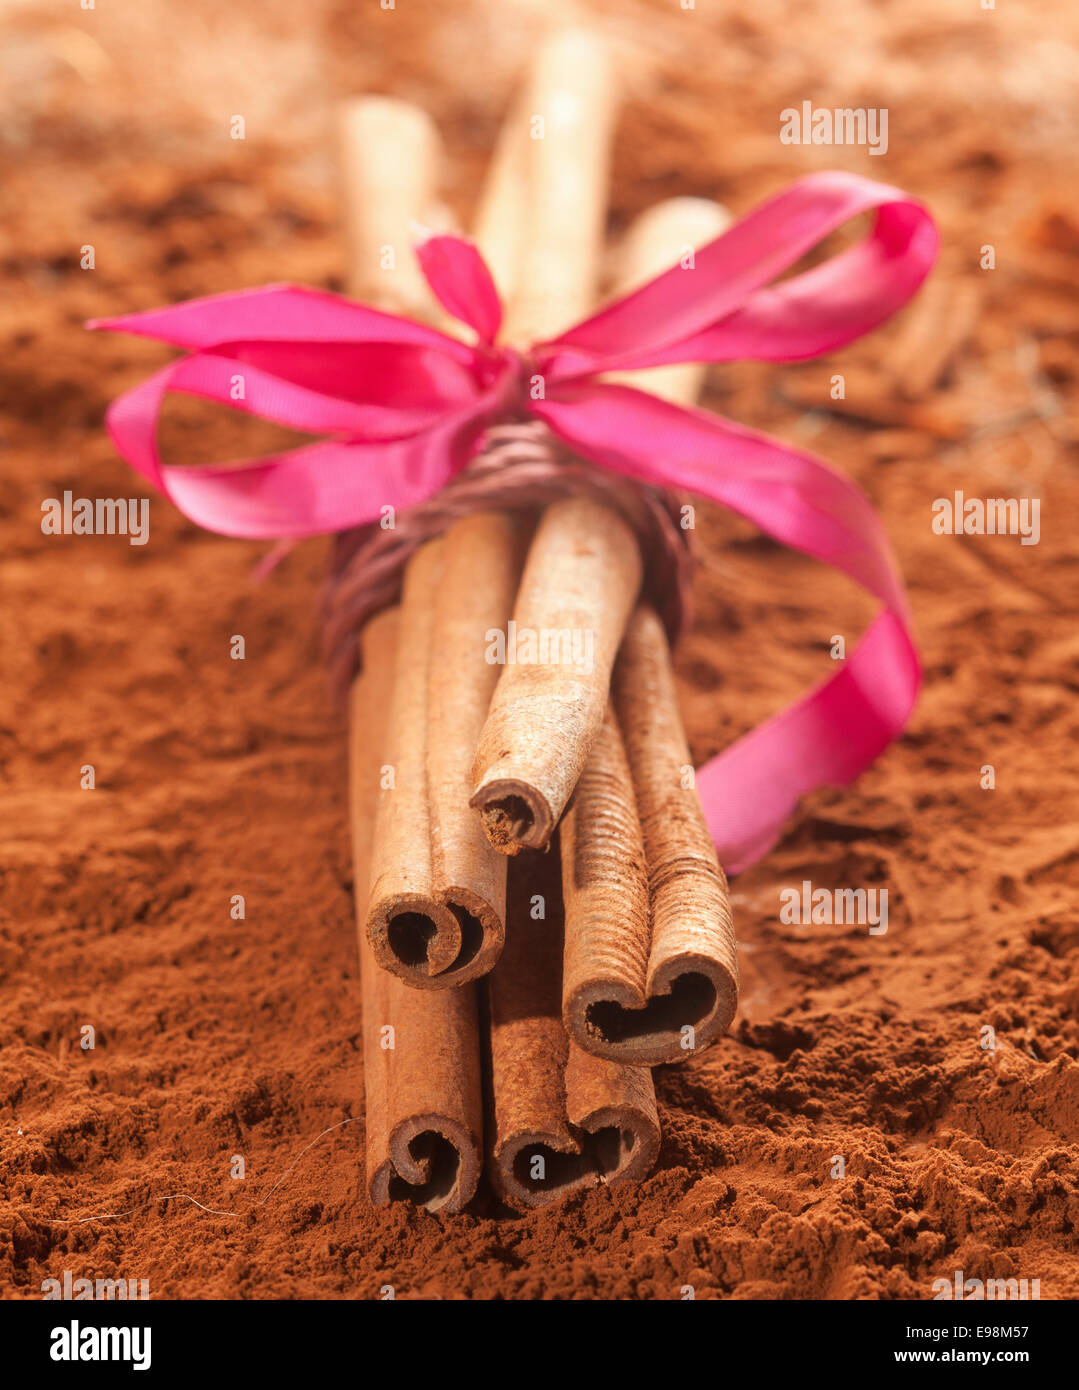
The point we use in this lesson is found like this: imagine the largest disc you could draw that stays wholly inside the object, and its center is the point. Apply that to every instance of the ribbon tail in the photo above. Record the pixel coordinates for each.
(827, 738)
(835, 732)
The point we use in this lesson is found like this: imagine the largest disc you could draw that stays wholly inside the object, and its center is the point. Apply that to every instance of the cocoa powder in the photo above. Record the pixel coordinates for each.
(217, 1036)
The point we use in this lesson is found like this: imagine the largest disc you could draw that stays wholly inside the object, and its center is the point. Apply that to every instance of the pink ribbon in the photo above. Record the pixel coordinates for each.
(405, 408)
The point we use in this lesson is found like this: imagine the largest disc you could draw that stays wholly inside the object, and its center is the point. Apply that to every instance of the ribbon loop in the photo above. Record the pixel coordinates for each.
(722, 306)
(461, 283)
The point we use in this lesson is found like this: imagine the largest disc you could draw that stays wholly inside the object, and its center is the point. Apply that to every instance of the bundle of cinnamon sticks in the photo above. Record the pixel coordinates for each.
(524, 818)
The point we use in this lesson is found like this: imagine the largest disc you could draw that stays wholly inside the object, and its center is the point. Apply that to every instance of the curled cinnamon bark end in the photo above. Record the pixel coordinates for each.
(433, 1163)
(614, 1143)
(580, 582)
(616, 1106)
(438, 898)
(514, 815)
(611, 1136)
(682, 1012)
(440, 939)
(563, 1120)
(423, 1092)
(419, 939)
(421, 1052)
(651, 972)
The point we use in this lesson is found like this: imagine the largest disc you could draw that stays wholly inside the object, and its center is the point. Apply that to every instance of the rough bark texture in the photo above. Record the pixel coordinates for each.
(412, 930)
(562, 1120)
(481, 566)
(650, 972)
(580, 581)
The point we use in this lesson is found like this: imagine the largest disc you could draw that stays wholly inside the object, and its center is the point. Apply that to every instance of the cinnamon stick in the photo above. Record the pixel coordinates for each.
(421, 1050)
(438, 896)
(498, 224)
(583, 570)
(390, 151)
(580, 580)
(438, 889)
(562, 1120)
(650, 970)
(423, 1094)
(570, 105)
(409, 928)
(651, 973)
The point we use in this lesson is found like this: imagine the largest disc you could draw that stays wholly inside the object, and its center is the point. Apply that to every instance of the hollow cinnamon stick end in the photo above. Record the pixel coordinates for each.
(515, 815)
(691, 1003)
(521, 1169)
(414, 937)
(616, 1105)
(483, 934)
(627, 1141)
(692, 977)
(434, 944)
(433, 1162)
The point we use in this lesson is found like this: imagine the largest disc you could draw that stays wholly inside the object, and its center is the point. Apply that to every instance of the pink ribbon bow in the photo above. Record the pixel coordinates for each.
(405, 408)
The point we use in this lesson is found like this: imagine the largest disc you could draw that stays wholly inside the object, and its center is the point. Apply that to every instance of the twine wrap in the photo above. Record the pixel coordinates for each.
(520, 466)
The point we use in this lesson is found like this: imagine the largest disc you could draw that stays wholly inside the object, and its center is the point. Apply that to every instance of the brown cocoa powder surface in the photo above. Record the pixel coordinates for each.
(214, 777)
